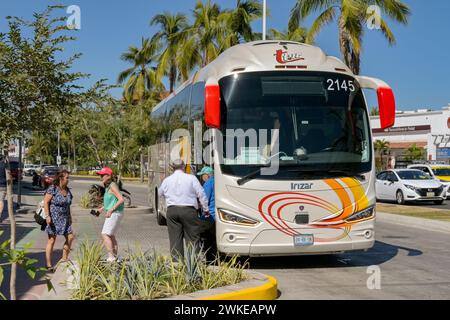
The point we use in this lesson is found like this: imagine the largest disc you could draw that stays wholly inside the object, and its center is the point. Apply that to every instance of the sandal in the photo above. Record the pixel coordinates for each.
(50, 269)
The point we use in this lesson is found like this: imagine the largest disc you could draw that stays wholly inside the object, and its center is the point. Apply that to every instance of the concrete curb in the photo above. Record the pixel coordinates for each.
(420, 223)
(258, 287)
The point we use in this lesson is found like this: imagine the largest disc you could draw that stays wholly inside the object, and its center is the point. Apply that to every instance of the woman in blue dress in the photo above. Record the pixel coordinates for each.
(57, 201)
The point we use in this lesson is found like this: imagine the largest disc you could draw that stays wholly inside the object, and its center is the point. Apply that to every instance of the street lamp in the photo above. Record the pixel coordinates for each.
(264, 19)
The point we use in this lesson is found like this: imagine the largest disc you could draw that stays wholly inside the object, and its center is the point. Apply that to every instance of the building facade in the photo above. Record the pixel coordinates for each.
(429, 130)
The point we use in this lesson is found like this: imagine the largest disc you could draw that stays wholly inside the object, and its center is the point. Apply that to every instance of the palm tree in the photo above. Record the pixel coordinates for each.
(237, 23)
(352, 15)
(207, 27)
(381, 146)
(173, 31)
(298, 35)
(142, 75)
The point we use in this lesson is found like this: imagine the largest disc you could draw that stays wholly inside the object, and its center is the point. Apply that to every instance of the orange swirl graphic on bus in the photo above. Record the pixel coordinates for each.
(272, 206)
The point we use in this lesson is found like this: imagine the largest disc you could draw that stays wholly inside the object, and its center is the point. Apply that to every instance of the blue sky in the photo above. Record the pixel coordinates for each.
(417, 67)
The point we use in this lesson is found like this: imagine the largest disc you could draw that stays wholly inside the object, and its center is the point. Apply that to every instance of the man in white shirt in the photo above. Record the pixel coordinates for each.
(183, 192)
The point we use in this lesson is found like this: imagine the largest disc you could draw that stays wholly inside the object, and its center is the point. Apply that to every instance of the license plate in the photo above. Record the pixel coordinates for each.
(430, 194)
(302, 240)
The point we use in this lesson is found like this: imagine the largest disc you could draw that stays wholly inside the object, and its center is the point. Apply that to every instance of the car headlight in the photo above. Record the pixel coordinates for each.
(362, 215)
(236, 218)
(411, 187)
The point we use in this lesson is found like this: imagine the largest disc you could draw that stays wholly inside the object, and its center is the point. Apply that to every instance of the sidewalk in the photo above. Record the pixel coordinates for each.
(137, 230)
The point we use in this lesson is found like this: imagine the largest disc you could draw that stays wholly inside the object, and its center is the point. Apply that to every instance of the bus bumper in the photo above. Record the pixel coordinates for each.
(271, 242)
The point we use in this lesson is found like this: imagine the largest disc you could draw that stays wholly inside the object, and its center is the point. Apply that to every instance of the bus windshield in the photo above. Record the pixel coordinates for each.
(315, 122)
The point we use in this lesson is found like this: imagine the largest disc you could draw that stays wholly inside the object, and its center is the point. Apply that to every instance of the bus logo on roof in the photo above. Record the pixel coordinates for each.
(286, 57)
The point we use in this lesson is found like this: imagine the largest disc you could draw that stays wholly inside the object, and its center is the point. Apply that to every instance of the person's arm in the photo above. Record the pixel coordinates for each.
(201, 195)
(162, 188)
(47, 198)
(115, 190)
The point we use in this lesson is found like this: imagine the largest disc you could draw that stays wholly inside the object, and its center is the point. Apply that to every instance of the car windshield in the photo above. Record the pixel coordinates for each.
(314, 121)
(442, 172)
(413, 175)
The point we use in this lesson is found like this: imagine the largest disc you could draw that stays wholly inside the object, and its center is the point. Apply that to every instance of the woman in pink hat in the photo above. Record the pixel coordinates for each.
(113, 206)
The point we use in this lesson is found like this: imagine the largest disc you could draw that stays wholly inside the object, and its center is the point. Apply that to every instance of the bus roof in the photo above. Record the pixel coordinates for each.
(272, 55)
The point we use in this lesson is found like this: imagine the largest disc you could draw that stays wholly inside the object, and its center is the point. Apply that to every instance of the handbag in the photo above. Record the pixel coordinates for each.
(39, 215)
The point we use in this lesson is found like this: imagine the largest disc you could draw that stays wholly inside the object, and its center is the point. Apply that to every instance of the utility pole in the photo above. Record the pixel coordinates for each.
(19, 175)
(58, 159)
(264, 19)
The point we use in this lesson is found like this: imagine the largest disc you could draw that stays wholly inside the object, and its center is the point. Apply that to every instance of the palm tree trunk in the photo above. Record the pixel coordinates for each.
(344, 43)
(173, 76)
(12, 223)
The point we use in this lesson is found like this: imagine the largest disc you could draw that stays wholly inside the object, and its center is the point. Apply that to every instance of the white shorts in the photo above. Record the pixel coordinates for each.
(112, 224)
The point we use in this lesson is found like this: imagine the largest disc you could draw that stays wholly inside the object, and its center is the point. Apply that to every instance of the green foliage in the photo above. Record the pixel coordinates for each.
(149, 275)
(36, 87)
(85, 201)
(352, 17)
(415, 153)
(20, 257)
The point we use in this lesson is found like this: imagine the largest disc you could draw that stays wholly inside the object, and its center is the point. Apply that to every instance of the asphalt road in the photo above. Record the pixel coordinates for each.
(80, 186)
(412, 263)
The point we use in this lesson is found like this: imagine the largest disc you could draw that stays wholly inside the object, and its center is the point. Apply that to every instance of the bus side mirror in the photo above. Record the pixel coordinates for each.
(386, 105)
(386, 99)
(212, 106)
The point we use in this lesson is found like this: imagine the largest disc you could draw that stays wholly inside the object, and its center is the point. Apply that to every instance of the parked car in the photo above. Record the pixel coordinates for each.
(439, 172)
(94, 170)
(48, 175)
(28, 169)
(404, 185)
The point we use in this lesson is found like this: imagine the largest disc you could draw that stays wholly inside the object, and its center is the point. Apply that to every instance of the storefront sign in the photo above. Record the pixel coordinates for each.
(403, 129)
(442, 140)
(443, 153)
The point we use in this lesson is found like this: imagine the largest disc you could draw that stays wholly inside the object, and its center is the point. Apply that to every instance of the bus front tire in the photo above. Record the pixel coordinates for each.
(160, 219)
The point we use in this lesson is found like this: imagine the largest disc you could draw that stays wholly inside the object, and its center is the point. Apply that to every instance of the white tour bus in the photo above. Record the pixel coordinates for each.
(322, 197)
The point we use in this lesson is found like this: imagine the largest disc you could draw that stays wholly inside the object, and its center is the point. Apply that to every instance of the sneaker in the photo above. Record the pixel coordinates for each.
(111, 259)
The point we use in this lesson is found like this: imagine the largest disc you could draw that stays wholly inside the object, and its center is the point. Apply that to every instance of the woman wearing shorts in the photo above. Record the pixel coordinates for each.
(114, 208)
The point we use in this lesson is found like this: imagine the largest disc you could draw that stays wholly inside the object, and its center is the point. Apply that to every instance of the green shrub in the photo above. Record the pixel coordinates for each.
(85, 201)
(149, 275)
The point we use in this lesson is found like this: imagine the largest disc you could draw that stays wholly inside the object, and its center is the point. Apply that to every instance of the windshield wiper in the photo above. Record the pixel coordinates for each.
(251, 175)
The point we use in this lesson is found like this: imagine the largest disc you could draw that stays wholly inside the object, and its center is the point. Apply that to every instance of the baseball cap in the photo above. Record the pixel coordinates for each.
(206, 170)
(105, 170)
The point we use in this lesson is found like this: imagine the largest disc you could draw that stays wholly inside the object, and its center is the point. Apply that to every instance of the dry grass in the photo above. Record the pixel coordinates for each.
(418, 211)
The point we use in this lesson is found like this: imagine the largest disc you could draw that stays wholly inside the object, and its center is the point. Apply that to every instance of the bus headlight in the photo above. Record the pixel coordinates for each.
(236, 218)
(362, 215)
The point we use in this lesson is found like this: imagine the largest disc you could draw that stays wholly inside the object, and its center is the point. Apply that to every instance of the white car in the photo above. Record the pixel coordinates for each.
(29, 168)
(439, 172)
(403, 185)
